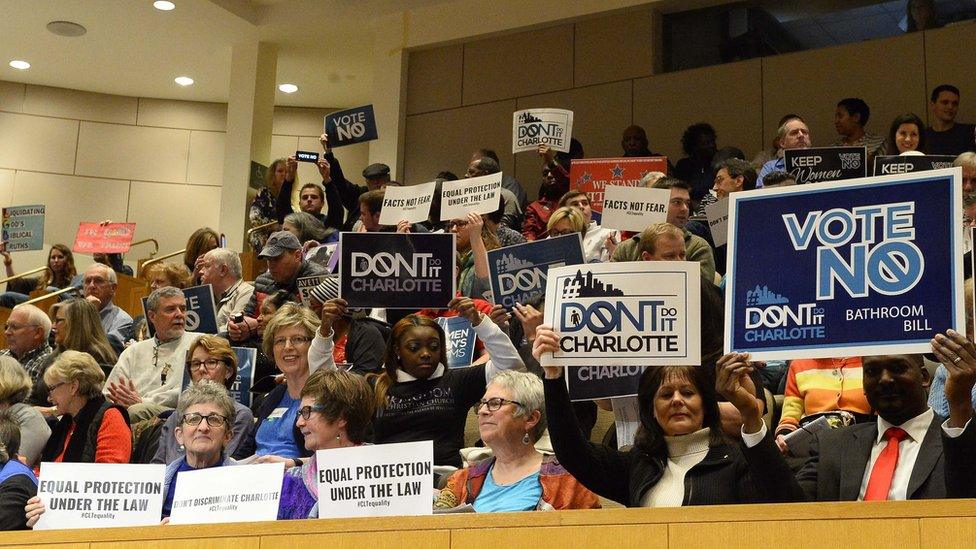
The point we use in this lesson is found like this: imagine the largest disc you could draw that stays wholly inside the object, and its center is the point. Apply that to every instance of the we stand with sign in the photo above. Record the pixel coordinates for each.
(640, 313)
(869, 266)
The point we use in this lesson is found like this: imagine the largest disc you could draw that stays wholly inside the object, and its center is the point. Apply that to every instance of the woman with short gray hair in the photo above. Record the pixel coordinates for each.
(511, 418)
(15, 386)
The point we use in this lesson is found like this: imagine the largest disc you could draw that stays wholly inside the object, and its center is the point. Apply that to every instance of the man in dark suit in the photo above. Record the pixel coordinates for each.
(910, 453)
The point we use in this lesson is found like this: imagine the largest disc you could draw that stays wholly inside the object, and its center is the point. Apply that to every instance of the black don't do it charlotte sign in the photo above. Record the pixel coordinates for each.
(396, 271)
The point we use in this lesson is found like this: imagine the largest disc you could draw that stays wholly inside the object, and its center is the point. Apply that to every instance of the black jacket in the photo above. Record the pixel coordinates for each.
(730, 473)
(266, 285)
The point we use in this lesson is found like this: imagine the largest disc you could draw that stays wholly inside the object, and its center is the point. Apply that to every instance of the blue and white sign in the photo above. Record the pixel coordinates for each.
(23, 228)
(201, 312)
(247, 361)
(599, 382)
(518, 273)
(351, 126)
(636, 313)
(461, 338)
(867, 266)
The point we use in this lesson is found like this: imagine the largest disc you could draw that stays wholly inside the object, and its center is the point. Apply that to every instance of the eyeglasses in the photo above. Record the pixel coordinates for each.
(210, 364)
(296, 341)
(455, 223)
(494, 404)
(305, 412)
(214, 420)
(51, 388)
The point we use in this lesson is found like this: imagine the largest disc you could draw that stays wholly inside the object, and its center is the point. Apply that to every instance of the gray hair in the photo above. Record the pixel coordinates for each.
(77, 366)
(37, 317)
(527, 389)
(109, 272)
(152, 303)
(650, 178)
(15, 384)
(309, 228)
(207, 392)
(966, 160)
(227, 258)
(487, 165)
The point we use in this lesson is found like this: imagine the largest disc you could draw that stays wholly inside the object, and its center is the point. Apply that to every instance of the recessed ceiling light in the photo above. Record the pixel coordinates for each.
(183, 80)
(164, 5)
(20, 65)
(288, 88)
(66, 28)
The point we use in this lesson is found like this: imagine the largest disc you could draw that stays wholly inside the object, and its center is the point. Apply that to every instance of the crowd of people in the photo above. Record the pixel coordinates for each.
(87, 383)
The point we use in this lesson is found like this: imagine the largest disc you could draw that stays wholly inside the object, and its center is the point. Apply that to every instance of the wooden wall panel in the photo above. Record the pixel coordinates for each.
(945, 64)
(434, 79)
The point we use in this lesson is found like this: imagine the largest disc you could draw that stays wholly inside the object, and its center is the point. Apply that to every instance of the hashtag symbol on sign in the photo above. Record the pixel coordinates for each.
(571, 288)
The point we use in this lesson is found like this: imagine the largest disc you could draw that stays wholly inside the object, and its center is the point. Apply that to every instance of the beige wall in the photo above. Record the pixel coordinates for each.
(460, 96)
(156, 163)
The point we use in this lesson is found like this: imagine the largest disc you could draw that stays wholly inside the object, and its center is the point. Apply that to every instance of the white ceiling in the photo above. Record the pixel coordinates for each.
(325, 46)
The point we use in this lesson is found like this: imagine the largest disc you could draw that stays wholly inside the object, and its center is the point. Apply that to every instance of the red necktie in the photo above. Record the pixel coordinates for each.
(879, 482)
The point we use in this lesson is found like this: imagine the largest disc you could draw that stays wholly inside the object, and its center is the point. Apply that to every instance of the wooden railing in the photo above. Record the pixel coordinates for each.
(23, 274)
(143, 265)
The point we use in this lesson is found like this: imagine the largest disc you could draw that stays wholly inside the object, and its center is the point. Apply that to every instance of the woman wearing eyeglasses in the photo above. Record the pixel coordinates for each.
(511, 418)
(275, 437)
(473, 239)
(211, 359)
(204, 430)
(335, 412)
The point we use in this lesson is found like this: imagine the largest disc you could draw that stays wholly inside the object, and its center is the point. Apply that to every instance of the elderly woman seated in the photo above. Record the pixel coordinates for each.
(17, 481)
(15, 386)
(335, 412)
(511, 418)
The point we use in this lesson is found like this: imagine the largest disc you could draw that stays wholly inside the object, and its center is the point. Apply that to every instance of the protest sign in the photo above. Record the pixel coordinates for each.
(410, 203)
(530, 127)
(350, 126)
(322, 255)
(460, 340)
(634, 208)
(599, 382)
(378, 480)
(476, 194)
(871, 266)
(247, 361)
(518, 273)
(593, 175)
(397, 271)
(242, 493)
(108, 238)
(306, 284)
(201, 312)
(640, 313)
(910, 163)
(333, 265)
(718, 221)
(826, 164)
(23, 228)
(100, 495)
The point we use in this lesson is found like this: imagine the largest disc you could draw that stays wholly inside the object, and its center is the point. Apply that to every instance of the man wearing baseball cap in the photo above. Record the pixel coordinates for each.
(285, 266)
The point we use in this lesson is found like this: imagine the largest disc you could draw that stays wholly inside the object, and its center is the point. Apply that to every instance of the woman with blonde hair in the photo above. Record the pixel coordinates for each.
(160, 275)
(15, 386)
(566, 220)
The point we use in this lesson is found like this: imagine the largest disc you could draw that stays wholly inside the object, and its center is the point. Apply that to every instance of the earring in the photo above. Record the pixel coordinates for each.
(525, 439)
(338, 436)
(182, 448)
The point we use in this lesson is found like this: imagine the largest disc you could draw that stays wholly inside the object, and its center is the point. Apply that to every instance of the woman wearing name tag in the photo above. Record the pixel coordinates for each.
(511, 418)
(417, 397)
(335, 412)
(275, 437)
(680, 455)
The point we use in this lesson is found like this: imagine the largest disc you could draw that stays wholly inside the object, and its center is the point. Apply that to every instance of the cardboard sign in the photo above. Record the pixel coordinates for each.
(477, 194)
(634, 208)
(638, 313)
(111, 238)
(871, 266)
(376, 481)
(396, 270)
(599, 382)
(201, 312)
(530, 127)
(460, 342)
(306, 284)
(718, 221)
(100, 495)
(240, 493)
(410, 203)
(593, 175)
(911, 163)
(23, 228)
(518, 273)
(351, 126)
(247, 362)
(826, 164)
